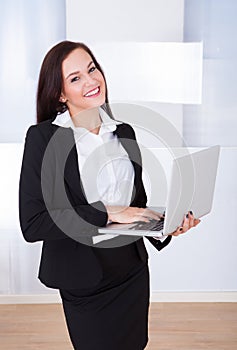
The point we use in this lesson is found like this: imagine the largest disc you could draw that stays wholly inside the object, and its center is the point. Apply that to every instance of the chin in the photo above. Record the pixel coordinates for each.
(98, 103)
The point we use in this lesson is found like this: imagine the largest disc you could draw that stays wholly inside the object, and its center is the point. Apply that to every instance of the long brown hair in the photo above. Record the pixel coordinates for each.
(51, 81)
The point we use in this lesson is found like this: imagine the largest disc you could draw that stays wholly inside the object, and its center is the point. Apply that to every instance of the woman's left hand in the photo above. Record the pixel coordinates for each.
(188, 222)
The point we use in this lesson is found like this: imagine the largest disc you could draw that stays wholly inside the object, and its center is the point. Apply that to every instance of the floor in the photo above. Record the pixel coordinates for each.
(172, 326)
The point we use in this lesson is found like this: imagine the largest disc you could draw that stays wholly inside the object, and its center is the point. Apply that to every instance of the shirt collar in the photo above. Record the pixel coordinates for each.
(108, 124)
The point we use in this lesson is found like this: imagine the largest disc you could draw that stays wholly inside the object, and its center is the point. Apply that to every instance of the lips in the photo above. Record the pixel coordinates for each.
(93, 93)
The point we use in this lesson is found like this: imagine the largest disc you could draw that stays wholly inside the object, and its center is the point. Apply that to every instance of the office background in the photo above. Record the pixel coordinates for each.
(198, 266)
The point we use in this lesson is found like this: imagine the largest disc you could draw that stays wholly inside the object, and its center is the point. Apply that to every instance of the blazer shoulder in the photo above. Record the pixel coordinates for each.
(41, 131)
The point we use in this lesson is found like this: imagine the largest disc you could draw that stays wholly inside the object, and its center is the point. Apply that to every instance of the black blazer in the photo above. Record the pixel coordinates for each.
(52, 201)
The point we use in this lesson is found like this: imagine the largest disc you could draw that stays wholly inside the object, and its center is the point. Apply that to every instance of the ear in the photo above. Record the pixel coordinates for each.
(62, 99)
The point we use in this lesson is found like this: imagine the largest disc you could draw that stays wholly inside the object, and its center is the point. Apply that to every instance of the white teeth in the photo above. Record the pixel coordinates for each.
(92, 92)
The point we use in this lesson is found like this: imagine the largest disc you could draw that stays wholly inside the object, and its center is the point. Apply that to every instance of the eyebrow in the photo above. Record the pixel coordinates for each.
(73, 73)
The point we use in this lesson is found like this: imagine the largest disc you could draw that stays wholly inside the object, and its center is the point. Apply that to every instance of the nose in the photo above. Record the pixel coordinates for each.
(88, 79)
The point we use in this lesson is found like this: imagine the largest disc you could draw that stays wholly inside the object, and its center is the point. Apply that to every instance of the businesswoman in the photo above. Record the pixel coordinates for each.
(104, 284)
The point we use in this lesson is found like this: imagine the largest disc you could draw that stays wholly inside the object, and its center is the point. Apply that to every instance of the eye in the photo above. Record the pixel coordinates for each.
(92, 69)
(74, 79)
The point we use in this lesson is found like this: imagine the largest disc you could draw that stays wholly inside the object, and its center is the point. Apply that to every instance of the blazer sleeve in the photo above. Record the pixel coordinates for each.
(37, 221)
(159, 245)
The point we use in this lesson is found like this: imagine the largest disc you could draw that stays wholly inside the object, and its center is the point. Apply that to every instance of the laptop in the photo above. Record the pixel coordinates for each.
(191, 188)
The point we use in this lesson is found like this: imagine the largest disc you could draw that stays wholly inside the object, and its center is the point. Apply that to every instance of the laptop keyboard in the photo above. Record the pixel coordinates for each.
(152, 225)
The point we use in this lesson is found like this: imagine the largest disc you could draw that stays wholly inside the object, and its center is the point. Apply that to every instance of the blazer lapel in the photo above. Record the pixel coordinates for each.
(67, 156)
(129, 143)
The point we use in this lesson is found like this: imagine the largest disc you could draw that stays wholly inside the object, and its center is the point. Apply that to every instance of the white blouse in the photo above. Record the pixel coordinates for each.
(106, 171)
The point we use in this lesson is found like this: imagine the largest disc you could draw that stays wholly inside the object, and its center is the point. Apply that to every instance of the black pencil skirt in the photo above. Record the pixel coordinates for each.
(114, 314)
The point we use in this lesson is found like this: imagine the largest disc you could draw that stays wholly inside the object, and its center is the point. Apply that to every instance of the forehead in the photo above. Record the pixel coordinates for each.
(77, 60)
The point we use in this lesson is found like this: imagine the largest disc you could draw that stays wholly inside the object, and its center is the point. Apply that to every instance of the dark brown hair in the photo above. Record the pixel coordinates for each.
(51, 81)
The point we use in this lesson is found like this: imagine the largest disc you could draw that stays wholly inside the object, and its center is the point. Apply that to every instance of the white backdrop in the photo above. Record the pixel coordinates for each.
(202, 261)
(27, 30)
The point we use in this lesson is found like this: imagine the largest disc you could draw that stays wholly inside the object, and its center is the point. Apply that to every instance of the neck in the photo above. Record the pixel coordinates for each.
(88, 119)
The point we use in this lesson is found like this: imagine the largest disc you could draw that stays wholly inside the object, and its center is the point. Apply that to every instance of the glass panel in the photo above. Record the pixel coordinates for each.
(28, 29)
(214, 121)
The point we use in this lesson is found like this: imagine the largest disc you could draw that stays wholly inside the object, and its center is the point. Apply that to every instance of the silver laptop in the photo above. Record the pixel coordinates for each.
(191, 188)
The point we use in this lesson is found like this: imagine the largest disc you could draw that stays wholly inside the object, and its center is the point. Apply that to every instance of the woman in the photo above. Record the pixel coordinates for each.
(104, 291)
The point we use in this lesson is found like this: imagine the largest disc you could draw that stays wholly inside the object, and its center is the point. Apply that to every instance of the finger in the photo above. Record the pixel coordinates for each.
(185, 224)
(191, 219)
(178, 231)
(155, 214)
(196, 222)
(151, 214)
(139, 218)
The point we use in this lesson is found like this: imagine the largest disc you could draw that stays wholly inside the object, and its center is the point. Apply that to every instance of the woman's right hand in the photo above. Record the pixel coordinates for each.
(127, 215)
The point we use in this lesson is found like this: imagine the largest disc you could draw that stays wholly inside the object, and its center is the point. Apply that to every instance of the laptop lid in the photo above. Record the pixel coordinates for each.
(191, 187)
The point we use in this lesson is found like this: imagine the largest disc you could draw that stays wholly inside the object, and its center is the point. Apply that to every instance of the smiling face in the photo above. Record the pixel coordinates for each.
(83, 84)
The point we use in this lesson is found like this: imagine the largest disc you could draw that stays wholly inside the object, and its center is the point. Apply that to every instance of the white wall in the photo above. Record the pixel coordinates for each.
(133, 20)
(202, 260)
(214, 121)
(27, 30)
(107, 22)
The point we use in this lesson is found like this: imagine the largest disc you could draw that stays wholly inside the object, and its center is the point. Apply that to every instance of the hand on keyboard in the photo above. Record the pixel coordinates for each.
(152, 225)
(127, 215)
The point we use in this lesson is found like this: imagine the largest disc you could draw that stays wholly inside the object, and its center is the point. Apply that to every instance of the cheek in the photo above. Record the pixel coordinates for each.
(72, 90)
(100, 78)
(103, 86)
